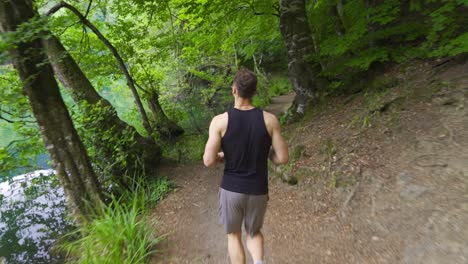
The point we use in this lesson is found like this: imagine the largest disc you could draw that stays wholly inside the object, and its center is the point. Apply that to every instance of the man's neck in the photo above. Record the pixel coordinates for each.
(243, 104)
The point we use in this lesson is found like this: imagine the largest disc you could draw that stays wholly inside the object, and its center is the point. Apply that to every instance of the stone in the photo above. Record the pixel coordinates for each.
(404, 178)
(412, 191)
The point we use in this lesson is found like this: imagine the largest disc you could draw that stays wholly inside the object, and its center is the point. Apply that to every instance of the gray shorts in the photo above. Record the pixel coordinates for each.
(235, 207)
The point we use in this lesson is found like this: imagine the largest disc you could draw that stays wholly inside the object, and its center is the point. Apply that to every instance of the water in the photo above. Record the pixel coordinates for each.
(32, 217)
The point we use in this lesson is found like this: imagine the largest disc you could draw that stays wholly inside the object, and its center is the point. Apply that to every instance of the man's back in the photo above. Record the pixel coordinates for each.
(246, 143)
(218, 128)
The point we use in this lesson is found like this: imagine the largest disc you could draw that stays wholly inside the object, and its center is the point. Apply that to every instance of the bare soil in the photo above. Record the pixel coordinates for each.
(381, 178)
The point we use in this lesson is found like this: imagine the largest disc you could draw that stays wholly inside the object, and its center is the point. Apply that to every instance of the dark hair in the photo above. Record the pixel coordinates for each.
(246, 83)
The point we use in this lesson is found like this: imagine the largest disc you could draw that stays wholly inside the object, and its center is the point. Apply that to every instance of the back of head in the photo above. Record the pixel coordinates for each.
(246, 83)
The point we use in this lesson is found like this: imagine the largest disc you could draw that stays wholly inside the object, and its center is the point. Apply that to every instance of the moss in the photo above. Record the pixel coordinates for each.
(297, 152)
(302, 173)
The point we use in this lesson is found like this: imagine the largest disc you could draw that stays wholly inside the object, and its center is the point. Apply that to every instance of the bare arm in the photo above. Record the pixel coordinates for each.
(212, 156)
(279, 153)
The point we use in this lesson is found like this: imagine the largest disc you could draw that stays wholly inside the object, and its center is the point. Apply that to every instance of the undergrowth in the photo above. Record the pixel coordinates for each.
(187, 148)
(122, 233)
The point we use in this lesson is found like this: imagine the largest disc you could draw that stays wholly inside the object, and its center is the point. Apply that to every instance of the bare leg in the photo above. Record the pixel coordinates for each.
(255, 247)
(235, 248)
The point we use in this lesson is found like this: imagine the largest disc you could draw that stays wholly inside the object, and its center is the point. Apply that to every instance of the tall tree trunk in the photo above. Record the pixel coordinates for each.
(81, 89)
(60, 137)
(294, 27)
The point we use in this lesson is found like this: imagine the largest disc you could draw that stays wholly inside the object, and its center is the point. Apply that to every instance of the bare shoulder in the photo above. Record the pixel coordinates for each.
(271, 122)
(220, 118)
(270, 119)
(219, 122)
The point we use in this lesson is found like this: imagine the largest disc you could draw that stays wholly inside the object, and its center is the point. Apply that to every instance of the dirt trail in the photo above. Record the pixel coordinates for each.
(392, 192)
(280, 103)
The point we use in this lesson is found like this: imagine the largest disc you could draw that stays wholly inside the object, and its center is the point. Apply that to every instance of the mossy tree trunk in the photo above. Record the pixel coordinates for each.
(140, 152)
(294, 27)
(68, 154)
(166, 127)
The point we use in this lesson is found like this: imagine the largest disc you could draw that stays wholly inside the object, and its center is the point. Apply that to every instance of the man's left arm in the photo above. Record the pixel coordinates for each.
(212, 155)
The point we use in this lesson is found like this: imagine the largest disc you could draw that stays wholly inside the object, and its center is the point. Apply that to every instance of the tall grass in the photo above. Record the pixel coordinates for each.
(122, 233)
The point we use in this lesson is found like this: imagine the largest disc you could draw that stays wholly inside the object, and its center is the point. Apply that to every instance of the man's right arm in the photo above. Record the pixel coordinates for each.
(279, 153)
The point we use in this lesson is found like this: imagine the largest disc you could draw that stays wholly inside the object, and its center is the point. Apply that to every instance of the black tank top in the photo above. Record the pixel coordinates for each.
(246, 144)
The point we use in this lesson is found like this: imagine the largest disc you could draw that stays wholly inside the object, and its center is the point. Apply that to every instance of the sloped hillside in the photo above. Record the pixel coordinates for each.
(380, 176)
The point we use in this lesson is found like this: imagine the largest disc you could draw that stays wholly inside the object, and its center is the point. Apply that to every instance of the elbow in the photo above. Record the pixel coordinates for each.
(283, 160)
(209, 163)
(280, 159)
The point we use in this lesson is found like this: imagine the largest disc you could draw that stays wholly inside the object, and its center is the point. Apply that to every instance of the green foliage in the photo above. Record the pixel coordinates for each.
(100, 138)
(329, 148)
(123, 233)
(367, 34)
(334, 180)
(188, 148)
(20, 141)
(269, 88)
(158, 189)
(25, 32)
(285, 117)
(279, 86)
(297, 152)
(187, 51)
(372, 101)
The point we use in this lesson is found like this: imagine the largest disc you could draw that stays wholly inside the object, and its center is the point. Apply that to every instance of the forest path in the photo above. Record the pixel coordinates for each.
(393, 192)
(280, 104)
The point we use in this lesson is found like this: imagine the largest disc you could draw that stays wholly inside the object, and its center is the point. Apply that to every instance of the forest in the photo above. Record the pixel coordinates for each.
(107, 92)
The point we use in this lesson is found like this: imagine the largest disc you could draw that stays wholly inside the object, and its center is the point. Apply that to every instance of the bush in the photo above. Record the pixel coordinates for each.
(121, 234)
(187, 148)
(279, 86)
(158, 189)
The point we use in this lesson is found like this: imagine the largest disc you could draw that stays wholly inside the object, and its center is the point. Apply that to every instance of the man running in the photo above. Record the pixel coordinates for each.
(245, 135)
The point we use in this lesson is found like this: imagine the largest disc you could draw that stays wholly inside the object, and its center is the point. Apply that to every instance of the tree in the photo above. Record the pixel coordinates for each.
(68, 154)
(115, 53)
(140, 148)
(163, 125)
(294, 27)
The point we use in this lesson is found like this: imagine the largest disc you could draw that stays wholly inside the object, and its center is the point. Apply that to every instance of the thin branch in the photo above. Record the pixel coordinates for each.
(141, 88)
(84, 42)
(150, 19)
(277, 8)
(130, 80)
(15, 121)
(67, 27)
(89, 8)
(174, 36)
(148, 75)
(16, 141)
(10, 113)
(7, 120)
(84, 35)
(6, 79)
